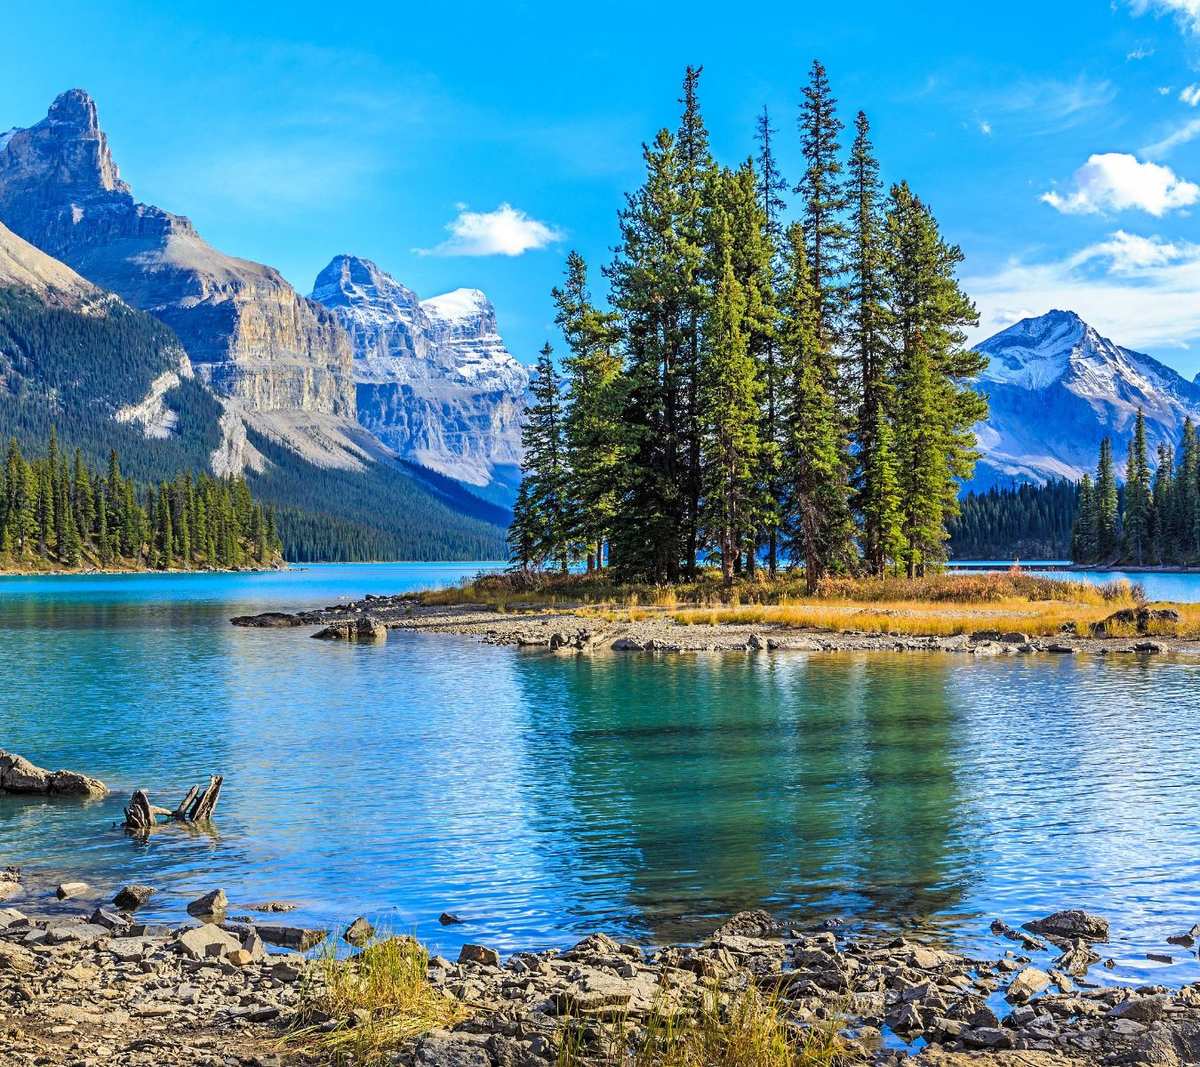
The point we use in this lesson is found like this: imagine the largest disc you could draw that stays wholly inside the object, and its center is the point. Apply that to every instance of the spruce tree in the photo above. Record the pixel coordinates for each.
(817, 512)
(823, 200)
(648, 291)
(866, 338)
(1107, 528)
(1083, 538)
(1139, 504)
(545, 478)
(729, 417)
(936, 410)
(592, 429)
(771, 186)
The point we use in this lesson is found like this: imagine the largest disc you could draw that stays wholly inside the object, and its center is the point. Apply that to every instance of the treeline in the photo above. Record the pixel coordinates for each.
(1026, 522)
(753, 386)
(60, 512)
(1155, 517)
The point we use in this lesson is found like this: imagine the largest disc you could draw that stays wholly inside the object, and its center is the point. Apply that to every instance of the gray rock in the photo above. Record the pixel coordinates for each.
(212, 903)
(67, 890)
(132, 897)
(268, 620)
(487, 957)
(364, 629)
(1140, 1009)
(448, 918)
(18, 775)
(1072, 924)
(1027, 984)
(206, 942)
(756, 923)
(359, 932)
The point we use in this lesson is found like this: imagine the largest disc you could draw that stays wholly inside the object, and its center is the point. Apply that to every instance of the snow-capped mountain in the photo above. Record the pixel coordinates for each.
(434, 379)
(1055, 388)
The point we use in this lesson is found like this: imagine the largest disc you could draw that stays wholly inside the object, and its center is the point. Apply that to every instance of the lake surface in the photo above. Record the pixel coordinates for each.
(543, 797)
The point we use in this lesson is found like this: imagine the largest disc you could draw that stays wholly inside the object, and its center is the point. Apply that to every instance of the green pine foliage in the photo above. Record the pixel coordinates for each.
(66, 516)
(1154, 519)
(801, 389)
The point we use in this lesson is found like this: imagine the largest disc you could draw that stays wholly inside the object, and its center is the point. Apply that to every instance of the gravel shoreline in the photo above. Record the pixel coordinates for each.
(566, 632)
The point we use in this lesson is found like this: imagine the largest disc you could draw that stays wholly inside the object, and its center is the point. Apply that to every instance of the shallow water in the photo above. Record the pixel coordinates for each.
(543, 797)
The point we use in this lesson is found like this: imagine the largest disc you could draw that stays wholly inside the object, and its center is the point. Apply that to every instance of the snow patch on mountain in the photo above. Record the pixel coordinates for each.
(435, 380)
(1055, 387)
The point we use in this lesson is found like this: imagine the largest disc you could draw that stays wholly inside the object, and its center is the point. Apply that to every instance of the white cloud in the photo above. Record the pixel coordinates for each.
(1141, 52)
(1164, 90)
(1190, 95)
(985, 128)
(506, 231)
(1186, 12)
(1117, 181)
(1140, 291)
(1189, 131)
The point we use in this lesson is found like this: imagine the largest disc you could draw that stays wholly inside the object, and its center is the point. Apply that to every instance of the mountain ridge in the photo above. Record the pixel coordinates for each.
(1056, 387)
(434, 379)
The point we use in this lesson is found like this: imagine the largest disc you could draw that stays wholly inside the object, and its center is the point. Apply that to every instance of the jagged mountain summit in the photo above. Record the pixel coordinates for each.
(1056, 387)
(434, 379)
(248, 333)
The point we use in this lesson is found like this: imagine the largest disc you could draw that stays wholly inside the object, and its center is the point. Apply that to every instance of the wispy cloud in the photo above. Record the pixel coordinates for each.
(985, 127)
(1181, 135)
(1139, 290)
(506, 231)
(1052, 105)
(1186, 12)
(1141, 52)
(1190, 95)
(1117, 181)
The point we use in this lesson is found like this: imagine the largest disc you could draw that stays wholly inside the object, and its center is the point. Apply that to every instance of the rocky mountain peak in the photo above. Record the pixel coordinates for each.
(350, 281)
(67, 149)
(435, 379)
(1056, 386)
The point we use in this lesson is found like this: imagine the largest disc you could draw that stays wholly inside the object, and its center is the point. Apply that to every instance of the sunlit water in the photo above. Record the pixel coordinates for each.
(542, 797)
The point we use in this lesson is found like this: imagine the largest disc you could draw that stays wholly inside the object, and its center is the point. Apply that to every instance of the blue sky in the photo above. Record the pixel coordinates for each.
(473, 145)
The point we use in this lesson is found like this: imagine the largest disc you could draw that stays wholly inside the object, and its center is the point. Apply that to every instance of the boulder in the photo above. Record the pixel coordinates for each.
(358, 932)
(1027, 984)
(293, 937)
(364, 629)
(207, 942)
(133, 896)
(755, 923)
(1140, 1009)
(67, 890)
(1072, 924)
(448, 918)
(18, 775)
(212, 903)
(15, 958)
(486, 957)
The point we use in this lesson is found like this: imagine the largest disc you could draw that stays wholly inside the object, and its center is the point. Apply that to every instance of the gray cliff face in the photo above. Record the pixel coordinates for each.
(247, 332)
(1055, 388)
(434, 379)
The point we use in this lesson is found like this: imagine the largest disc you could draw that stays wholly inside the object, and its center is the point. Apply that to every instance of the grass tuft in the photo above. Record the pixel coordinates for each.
(378, 999)
(751, 1030)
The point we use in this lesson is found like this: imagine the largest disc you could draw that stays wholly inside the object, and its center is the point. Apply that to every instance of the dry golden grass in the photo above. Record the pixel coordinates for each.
(751, 1030)
(380, 998)
(940, 605)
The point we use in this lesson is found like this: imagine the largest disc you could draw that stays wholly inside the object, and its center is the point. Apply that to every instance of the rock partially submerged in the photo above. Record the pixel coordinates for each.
(364, 629)
(269, 620)
(1072, 924)
(18, 775)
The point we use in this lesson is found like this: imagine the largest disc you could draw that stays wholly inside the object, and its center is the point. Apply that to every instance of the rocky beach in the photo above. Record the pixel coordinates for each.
(83, 982)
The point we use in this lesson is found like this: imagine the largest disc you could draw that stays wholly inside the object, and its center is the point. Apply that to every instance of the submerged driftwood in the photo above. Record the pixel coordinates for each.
(196, 807)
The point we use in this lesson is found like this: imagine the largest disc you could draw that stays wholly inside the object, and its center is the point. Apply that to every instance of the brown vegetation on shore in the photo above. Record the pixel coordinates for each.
(943, 605)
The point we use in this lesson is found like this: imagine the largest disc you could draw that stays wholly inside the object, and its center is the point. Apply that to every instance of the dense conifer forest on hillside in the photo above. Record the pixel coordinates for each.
(58, 513)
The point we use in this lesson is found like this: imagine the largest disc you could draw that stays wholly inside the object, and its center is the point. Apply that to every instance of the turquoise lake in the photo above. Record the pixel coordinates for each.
(543, 797)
